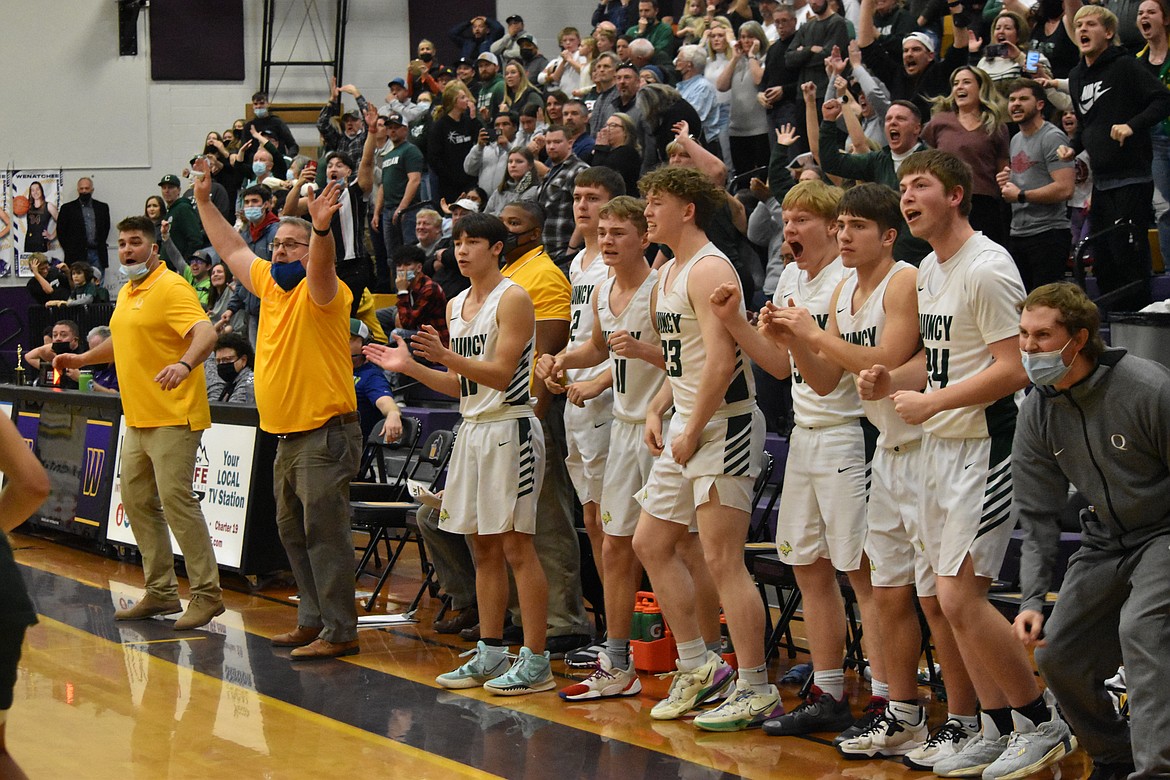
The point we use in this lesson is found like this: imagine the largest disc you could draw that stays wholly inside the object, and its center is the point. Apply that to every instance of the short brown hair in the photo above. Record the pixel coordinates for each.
(872, 201)
(686, 184)
(1074, 311)
(138, 223)
(945, 167)
(626, 209)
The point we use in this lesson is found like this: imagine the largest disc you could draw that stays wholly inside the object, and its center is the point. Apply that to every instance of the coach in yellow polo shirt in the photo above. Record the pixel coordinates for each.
(161, 336)
(305, 395)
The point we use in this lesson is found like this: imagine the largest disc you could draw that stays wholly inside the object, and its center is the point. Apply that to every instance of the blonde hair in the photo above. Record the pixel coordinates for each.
(1107, 17)
(990, 102)
(815, 196)
(450, 95)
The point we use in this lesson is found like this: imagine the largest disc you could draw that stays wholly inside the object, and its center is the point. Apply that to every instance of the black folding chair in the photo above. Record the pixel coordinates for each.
(389, 519)
(382, 477)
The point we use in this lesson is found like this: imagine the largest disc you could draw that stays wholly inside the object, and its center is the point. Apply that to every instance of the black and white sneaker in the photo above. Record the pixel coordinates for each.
(947, 740)
(874, 710)
(585, 657)
(887, 737)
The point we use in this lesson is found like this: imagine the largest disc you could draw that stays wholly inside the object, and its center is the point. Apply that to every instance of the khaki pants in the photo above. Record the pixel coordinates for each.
(311, 477)
(158, 465)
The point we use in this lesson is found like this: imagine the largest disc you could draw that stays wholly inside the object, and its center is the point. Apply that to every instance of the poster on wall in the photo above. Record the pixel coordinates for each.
(33, 199)
(222, 479)
(5, 228)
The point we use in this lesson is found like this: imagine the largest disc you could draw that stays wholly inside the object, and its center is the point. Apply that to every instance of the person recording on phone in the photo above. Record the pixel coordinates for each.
(488, 158)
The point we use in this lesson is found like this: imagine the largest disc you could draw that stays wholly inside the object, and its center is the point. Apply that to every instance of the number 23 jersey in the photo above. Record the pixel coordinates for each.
(683, 348)
(964, 305)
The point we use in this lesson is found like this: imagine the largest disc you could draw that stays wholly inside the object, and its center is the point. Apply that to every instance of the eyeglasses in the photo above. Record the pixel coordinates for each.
(287, 244)
(225, 361)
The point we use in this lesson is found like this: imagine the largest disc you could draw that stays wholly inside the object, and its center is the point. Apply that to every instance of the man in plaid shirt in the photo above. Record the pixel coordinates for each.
(354, 138)
(420, 300)
(556, 195)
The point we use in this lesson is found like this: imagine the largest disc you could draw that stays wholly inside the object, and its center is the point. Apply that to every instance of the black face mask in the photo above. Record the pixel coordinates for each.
(227, 372)
(61, 348)
(426, 56)
(85, 199)
(527, 54)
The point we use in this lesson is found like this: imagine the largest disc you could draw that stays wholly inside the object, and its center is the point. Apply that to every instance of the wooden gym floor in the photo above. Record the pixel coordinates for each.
(99, 699)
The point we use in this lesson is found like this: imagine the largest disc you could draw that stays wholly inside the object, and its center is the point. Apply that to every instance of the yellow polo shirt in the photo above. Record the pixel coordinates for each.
(150, 326)
(304, 375)
(546, 284)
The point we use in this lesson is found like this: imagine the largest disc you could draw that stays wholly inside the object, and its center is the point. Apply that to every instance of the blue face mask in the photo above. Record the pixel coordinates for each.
(134, 271)
(259, 168)
(287, 275)
(260, 112)
(253, 213)
(1045, 368)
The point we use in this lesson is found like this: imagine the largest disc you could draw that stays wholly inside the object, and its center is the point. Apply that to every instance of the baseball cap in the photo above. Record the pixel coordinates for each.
(171, 180)
(922, 38)
(394, 119)
(199, 256)
(525, 36)
(487, 56)
(359, 329)
(467, 204)
(464, 61)
(399, 82)
(514, 18)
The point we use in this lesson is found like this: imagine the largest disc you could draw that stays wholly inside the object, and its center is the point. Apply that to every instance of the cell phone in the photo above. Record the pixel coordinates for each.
(1032, 62)
(993, 50)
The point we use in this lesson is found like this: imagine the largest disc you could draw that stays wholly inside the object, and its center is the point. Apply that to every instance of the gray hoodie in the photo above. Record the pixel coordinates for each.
(1109, 435)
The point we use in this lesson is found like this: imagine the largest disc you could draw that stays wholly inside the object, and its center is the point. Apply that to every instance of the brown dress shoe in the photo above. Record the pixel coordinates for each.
(464, 618)
(298, 637)
(199, 613)
(323, 648)
(148, 607)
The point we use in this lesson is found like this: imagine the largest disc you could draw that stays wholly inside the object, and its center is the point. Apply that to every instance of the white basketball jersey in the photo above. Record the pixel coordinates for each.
(635, 381)
(585, 282)
(843, 404)
(965, 304)
(865, 327)
(476, 339)
(683, 348)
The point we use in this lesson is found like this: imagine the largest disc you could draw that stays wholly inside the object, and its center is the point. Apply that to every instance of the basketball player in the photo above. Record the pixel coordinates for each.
(821, 528)
(625, 337)
(588, 418)
(961, 388)
(873, 318)
(708, 464)
(496, 466)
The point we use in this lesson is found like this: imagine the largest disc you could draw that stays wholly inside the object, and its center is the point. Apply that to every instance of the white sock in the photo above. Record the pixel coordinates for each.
(907, 712)
(880, 688)
(831, 682)
(969, 722)
(756, 677)
(692, 654)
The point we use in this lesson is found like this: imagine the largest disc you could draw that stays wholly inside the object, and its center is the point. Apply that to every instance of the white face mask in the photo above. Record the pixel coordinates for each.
(134, 271)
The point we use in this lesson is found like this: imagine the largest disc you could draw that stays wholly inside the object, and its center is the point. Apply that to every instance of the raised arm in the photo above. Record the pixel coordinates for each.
(365, 174)
(228, 244)
(321, 271)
